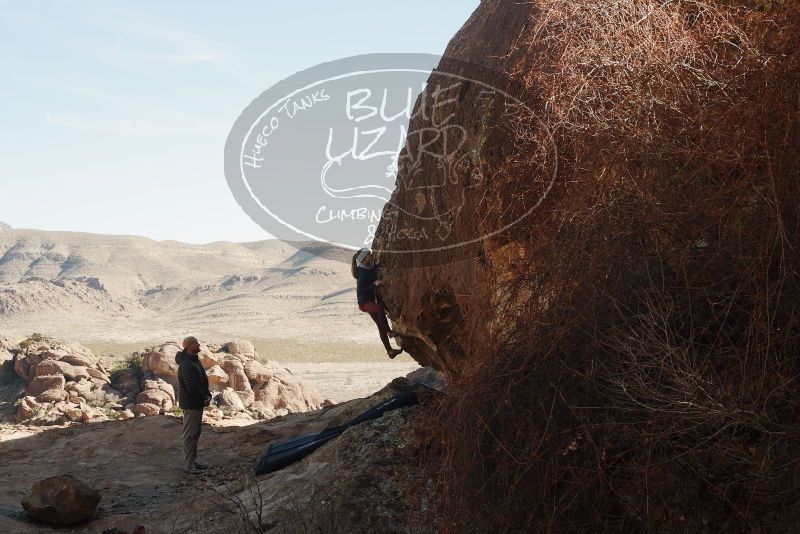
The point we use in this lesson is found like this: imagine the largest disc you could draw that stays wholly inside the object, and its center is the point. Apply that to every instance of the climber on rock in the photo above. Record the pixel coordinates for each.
(365, 271)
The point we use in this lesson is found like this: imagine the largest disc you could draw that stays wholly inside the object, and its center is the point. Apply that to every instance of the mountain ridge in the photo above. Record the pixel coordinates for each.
(105, 285)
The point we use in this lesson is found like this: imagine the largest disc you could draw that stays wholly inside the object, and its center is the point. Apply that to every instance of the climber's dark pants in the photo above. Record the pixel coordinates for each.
(378, 315)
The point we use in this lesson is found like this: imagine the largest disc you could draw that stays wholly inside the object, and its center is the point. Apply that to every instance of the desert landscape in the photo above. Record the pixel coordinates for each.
(89, 327)
(120, 294)
(590, 257)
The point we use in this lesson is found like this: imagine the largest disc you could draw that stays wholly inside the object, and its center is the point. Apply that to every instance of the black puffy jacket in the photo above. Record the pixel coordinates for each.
(193, 393)
(365, 285)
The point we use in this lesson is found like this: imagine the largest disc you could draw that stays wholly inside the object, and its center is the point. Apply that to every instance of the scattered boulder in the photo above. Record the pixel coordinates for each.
(74, 414)
(82, 388)
(27, 407)
(231, 400)
(58, 367)
(240, 348)
(89, 414)
(61, 500)
(59, 375)
(285, 390)
(156, 397)
(146, 408)
(68, 375)
(160, 361)
(97, 374)
(257, 371)
(160, 385)
(40, 384)
(217, 378)
(80, 360)
(247, 397)
(237, 379)
(52, 395)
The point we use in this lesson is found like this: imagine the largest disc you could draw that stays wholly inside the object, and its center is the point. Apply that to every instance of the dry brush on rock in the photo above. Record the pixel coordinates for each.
(635, 368)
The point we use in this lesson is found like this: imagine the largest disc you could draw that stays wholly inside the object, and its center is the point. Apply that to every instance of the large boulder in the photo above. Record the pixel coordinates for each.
(244, 383)
(160, 362)
(25, 365)
(51, 396)
(40, 384)
(27, 407)
(61, 500)
(237, 379)
(156, 397)
(241, 348)
(247, 397)
(60, 367)
(217, 378)
(82, 388)
(209, 355)
(96, 374)
(83, 360)
(160, 385)
(231, 400)
(286, 391)
(257, 372)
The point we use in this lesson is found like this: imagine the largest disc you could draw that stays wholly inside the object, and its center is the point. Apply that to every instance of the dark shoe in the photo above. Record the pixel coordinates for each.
(192, 471)
(394, 352)
(200, 467)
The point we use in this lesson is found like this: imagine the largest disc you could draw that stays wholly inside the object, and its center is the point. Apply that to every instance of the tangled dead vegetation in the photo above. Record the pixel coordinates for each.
(644, 371)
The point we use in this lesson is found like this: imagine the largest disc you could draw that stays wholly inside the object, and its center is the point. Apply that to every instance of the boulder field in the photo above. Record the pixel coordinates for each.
(62, 382)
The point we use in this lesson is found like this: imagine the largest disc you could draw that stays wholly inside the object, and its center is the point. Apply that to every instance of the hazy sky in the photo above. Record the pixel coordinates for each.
(115, 114)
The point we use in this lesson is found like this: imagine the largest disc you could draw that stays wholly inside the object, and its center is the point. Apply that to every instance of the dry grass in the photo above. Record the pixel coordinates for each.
(646, 368)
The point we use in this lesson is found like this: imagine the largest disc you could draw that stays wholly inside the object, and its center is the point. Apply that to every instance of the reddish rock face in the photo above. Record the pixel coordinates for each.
(435, 233)
(660, 160)
(40, 384)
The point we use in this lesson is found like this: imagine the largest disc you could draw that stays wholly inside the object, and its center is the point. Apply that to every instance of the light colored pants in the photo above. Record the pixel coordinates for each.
(192, 425)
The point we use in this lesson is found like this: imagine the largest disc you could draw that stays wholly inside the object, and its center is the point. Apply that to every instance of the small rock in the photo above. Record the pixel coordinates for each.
(146, 409)
(51, 395)
(26, 408)
(61, 500)
(156, 397)
(217, 378)
(231, 399)
(74, 414)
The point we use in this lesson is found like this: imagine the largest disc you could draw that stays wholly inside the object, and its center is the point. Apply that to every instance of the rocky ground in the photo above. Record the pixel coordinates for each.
(115, 426)
(364, 481)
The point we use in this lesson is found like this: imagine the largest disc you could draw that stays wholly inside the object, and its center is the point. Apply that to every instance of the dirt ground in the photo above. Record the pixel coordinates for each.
(134, 464)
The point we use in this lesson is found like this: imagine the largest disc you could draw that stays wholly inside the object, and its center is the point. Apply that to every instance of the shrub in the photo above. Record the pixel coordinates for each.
(132, 363)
